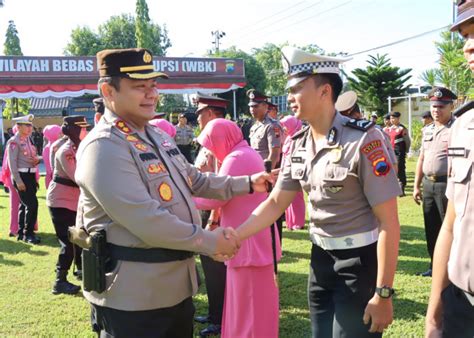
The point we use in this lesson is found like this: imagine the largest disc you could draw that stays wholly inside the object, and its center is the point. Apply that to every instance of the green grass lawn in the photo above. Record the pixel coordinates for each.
(27, 307)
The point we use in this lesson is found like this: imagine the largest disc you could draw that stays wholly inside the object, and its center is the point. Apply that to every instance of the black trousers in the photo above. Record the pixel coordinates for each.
(215, 274)
(63, 219)
(434, 209)
(186, 151)
(171, 322)
(458, 313)
(402, 175)
(340, 284)
(28, 212)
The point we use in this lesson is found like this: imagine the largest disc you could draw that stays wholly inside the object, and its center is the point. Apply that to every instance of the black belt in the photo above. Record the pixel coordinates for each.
(437, 179)
(155, 255)
(65, 181)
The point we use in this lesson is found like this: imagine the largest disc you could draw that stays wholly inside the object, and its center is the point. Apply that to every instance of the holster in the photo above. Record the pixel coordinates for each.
(94, 260)
(79, 236)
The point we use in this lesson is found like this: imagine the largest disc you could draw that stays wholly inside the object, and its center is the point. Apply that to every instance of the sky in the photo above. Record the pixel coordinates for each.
(350, 26)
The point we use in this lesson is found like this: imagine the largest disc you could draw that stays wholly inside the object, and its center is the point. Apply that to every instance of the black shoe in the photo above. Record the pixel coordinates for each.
(20, 237)
(11, 234)
(427, 273)
(211, 330)
(65, 287)
(32, 239)
(202, 319)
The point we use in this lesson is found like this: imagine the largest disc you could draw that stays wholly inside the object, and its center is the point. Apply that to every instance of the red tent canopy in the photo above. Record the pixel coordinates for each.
(30, 76)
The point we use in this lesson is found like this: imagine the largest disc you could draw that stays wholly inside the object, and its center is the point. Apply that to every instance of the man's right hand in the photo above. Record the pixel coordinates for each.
(228, 242)
(21, 186)
(417, 196)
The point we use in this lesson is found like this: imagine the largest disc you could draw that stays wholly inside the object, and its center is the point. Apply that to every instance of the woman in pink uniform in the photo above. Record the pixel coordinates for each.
(251, 296)
(51, 133)
(296, 212)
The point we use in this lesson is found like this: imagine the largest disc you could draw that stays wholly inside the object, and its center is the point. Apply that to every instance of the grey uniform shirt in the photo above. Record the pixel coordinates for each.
(434, 148)
(345, 175)
(54, 149)
(205, 161)
(184, 135)
(21, 154)
(265, 135)
(60, 195)
(140, 191)
(460, 191)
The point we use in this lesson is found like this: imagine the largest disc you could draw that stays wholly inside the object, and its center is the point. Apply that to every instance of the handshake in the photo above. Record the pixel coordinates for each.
(228, 244)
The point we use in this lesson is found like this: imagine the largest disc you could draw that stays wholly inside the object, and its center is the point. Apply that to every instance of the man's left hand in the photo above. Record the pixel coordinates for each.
(378, 312)
(259, 180)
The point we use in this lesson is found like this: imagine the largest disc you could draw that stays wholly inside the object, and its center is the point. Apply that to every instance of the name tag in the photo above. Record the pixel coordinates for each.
(297, 160)
(173, 152)
(457, 152)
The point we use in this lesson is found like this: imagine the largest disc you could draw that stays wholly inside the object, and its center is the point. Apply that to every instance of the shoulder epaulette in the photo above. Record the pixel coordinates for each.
(464, 108)
(363, 125)
(300, 133)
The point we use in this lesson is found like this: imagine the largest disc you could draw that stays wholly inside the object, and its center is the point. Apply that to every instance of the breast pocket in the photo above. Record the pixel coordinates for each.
(334, 181)
(164, 191)
(460, 174)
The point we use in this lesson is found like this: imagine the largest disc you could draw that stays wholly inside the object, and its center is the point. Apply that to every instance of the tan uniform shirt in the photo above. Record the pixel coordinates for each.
(60, 195)
(265, 135)
(21, 154)
(54, 149)
(139, 189)
(184, 135)
(434, 148)
(460, 191)
(345, 175)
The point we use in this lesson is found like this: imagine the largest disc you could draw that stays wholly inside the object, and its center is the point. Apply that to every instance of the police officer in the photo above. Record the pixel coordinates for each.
(62, 197)
(208, 109)
(386, 123)
(346, 104)
(401, 145)
(137, 187)
(426, 118)
(432, 167)
(343, 165)
(22, 160)
(265, 134)
(451, 306)
(98, 108)
(184, 137)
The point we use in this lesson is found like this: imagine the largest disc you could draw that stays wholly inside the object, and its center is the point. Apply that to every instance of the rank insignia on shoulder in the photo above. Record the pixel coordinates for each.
(363, 125)
(122, 126)
(132, 138)
(165, 192)
(457, 152)
(141, 146)
(300, 133)
(332, 136)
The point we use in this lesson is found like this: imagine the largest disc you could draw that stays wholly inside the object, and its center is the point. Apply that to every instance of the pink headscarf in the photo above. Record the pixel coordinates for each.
(164, 125)
(291, 124)
(52, 132)
(221, 136)
(15, 129)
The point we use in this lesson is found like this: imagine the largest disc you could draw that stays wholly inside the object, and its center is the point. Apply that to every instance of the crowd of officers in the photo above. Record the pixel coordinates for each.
(127, 188)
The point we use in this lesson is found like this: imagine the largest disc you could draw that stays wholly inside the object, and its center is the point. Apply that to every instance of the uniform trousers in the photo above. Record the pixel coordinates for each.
(28, 212)
(402, 175)
(340, 284)
(171, 322)
(434, 209)
(63, 219)
(215, 274)
(458, 313)
(185, 149)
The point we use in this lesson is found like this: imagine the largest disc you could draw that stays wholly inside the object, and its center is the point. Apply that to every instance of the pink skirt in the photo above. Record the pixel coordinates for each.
(251, 304)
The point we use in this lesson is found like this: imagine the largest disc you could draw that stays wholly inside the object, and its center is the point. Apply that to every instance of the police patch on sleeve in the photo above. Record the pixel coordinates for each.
(165, 192)
(374, 152)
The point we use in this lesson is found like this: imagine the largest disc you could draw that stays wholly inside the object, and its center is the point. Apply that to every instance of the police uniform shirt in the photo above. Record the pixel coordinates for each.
(205, 161)
(21, 154)
(60, 195)
(265, 135)
(184, 135)
(345, 175)
(434, 148)
(54, 149)
(460, 191)
(141, 193)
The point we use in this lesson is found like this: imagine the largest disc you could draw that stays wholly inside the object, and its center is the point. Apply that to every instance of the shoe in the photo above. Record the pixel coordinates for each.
(32, 239)
(211, 330)
(427, 273)
(11, 234)
(202, 319)
(61, 285)
(20, 237)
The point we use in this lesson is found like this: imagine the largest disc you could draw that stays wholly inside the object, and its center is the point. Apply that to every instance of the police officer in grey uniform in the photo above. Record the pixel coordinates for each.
(184, 137)
(451, 306)
(22, 160)
(208, 109)
(432, 167)
(344, 167)
(99, 109)
(265, 134)
(137, 187)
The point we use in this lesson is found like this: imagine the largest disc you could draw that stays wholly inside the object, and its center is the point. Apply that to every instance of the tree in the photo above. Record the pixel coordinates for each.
(84, 42)
(143, 33)
(118, 32)
(14, 107)
(377, 82)
(453, 71)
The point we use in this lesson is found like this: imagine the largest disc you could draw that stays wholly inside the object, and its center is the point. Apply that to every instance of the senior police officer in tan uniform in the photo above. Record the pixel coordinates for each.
(451, 306)
(184, 136)
(22, 160)
(344, 167)
(137, 187)
(432, 167)
(265, 134)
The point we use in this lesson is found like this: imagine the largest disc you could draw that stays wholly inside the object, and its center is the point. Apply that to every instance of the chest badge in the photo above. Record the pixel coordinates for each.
(156, 168)
(165, 192)
(141, 146)
(131, 138)
(336, 155)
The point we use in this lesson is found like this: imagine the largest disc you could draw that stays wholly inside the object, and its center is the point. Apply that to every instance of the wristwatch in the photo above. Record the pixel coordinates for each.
(384, 291)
